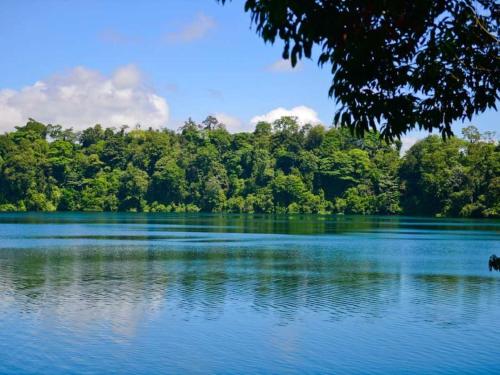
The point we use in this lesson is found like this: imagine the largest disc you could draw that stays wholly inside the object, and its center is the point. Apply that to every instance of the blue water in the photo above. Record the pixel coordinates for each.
(150, 294)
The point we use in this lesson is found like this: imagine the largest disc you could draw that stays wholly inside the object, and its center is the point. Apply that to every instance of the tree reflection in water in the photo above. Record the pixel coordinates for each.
(121, 284)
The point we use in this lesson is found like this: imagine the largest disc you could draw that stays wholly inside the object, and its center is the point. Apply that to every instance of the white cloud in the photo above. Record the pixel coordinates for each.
(284, 66)
(304, 115)
(233, 124)
(127, 76)
(83, 97)
(407, 142)
(196, 29)
(411, 138)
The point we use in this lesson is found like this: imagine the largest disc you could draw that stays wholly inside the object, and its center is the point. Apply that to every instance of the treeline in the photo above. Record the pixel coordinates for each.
(279, 168)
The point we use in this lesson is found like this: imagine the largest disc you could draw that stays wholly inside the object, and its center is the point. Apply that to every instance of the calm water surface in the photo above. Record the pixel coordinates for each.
(150, 294)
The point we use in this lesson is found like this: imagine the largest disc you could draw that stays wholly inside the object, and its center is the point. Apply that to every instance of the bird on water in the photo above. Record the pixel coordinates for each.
(494, 263)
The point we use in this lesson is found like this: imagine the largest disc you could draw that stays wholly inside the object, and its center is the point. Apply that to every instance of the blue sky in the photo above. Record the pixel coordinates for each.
(154, 62)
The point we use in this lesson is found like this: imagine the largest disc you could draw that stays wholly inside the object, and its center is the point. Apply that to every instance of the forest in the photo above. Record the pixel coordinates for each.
(280, 167)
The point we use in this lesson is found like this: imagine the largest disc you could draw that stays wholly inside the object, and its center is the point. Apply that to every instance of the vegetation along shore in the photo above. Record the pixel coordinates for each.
(278, 168)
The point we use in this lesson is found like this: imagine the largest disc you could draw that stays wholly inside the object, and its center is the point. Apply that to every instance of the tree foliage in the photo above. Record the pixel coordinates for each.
(279, 168)
(396, 65)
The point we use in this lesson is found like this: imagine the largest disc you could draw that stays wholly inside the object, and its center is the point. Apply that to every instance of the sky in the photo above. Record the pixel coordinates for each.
(154, 63)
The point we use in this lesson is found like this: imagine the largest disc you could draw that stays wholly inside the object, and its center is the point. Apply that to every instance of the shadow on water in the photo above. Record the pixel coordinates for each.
(257, 223)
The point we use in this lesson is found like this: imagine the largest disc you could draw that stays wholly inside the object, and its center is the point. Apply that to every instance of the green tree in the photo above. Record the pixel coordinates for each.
(168, 184)
(396, 65)
(134, 184)
(279, 168)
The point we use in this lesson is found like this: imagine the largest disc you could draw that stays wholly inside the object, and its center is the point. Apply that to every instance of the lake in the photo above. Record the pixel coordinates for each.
(171, 293)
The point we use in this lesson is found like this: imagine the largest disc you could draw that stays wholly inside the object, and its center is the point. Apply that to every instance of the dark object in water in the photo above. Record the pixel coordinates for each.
(494, 263)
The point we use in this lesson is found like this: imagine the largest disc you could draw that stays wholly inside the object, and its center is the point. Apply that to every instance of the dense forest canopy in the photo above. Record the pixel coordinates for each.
(278, 168)
(396, 65)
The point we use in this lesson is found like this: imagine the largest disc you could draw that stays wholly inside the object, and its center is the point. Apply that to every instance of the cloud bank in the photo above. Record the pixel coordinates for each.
(83, 97)
(304, 115)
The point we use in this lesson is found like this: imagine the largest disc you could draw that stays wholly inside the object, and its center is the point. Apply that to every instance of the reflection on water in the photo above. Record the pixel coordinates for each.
(203, 293)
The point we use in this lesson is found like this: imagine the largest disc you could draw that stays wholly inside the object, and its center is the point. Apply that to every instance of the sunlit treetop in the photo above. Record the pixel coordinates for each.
(396, 65)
